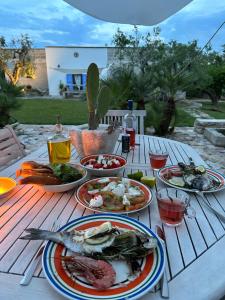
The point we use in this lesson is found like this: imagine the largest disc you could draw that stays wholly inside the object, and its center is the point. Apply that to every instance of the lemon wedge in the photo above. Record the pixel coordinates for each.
(178, 181)
(150, 181)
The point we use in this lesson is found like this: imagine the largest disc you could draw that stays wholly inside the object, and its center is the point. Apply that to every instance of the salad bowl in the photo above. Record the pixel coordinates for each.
(59, 188)
(103, 164)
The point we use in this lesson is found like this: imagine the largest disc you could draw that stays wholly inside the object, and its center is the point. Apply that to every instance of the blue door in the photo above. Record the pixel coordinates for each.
(69, 81)
(83, 81)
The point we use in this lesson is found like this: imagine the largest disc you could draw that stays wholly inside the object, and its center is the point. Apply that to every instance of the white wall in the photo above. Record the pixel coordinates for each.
(61, 61)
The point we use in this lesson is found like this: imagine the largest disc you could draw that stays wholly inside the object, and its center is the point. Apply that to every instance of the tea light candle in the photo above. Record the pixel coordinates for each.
(6, 185)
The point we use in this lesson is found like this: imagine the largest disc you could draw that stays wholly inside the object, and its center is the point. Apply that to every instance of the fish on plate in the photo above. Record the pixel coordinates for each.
(105, 242)
(190, 176)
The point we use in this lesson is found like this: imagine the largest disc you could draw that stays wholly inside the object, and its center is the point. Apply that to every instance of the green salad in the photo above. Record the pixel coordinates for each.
(66, 172)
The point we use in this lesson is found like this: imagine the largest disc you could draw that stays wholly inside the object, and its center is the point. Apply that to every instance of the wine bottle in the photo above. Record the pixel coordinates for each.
(130, 124)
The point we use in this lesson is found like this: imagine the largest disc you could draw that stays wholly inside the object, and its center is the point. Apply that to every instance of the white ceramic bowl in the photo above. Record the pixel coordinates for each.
(6, 186)
(58, 188)
(103, 172)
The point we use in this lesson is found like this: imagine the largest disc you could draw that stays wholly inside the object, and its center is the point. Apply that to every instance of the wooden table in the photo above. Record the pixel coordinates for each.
(195, 250)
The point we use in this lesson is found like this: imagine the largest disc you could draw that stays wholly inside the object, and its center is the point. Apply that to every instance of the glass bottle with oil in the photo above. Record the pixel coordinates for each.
(59, 146)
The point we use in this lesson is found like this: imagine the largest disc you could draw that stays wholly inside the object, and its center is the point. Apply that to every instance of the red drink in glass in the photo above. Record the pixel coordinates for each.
(158, 161)
(171, 212)
(131, 132)
(173, 204)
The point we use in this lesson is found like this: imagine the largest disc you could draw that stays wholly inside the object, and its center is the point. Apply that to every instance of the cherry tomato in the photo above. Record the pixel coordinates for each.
(97, 166)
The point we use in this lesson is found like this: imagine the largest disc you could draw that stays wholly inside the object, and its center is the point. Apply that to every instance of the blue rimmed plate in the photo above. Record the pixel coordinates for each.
(125, 287)
(213, 175)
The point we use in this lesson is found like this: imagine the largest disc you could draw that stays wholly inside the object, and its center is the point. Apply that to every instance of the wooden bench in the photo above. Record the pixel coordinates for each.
(118, 115)
(10, 146)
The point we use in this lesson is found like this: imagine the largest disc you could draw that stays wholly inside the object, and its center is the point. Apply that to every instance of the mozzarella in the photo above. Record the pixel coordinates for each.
(90, 166)
(119, 190)
(97, 201)
(132, 191)
(104, 162)
(100, 158)
(126, 182)
(125, 200)
(110, 186)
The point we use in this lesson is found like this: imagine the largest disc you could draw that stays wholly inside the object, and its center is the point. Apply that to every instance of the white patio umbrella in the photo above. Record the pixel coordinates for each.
(136, 12)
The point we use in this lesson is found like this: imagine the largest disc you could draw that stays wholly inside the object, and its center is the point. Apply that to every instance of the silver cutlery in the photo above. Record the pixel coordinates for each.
(164, 281)
(35, 261)
(213, 210)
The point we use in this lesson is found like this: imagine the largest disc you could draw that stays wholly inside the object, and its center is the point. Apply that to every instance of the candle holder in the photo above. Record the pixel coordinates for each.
(6, 186)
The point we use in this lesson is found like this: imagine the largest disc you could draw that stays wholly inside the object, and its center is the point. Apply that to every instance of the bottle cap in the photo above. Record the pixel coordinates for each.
(130, 104)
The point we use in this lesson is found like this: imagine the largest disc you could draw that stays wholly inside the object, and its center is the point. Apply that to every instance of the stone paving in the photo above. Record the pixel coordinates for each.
(214, 156)
(34, 136)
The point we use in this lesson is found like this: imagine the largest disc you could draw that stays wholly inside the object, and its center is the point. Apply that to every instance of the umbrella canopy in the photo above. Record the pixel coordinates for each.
(136, 12)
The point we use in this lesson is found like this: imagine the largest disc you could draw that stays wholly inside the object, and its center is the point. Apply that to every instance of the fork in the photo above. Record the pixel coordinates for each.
(35, 261)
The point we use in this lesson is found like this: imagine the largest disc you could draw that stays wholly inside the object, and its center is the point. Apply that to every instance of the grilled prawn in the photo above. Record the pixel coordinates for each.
(97, 272)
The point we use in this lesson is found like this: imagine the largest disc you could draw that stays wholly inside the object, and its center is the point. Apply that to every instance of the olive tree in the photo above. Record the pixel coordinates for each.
(15, 58)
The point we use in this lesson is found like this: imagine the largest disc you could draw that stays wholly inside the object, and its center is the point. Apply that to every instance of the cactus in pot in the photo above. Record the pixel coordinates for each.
(95, 138)
(98, 98)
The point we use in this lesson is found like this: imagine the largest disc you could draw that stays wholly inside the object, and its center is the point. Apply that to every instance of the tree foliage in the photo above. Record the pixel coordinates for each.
(8, 94)
(160, 69)
(15, 58)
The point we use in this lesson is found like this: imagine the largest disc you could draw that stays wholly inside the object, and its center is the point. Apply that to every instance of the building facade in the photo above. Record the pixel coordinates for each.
(65, 66)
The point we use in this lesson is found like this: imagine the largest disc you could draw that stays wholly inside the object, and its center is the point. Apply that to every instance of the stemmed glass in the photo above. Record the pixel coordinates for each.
(158, 159)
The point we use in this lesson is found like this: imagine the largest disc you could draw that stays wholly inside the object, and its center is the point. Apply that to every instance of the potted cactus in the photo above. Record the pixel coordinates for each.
(93, 138)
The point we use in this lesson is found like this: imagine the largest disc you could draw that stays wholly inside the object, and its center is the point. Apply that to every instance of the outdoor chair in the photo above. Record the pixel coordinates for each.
(10, 146)
(118, 115)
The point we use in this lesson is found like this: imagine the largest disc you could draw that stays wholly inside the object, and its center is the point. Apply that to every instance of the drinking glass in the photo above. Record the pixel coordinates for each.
(131, 132)
(158, 159)
(173, 204)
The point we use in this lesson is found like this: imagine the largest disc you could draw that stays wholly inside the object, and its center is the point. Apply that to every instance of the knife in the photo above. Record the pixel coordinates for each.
(32, 267)
(164, 281)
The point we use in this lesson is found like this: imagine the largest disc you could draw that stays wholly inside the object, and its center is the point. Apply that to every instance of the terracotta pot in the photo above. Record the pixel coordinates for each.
(97, 141)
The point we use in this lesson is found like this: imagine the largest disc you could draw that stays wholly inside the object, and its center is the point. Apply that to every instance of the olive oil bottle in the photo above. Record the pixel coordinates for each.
(59, 145)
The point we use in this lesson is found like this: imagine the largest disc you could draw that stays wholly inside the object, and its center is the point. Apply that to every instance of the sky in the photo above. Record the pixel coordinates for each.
(56, 23)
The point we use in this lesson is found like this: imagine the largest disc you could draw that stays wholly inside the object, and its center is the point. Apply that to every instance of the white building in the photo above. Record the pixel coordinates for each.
(68, 65)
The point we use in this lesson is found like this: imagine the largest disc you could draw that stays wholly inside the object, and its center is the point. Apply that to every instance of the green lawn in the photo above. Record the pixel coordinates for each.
(44, 111)
(73, 112)
(207, 108)
(183, 118)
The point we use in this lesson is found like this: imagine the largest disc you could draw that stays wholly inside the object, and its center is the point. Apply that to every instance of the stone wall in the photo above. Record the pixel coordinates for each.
(41, 80)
